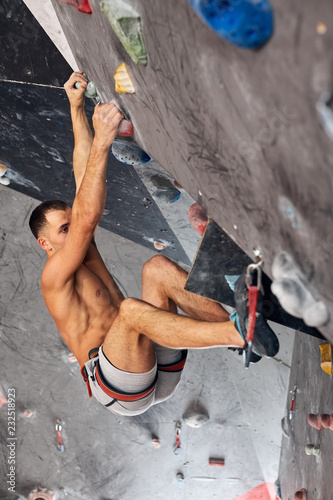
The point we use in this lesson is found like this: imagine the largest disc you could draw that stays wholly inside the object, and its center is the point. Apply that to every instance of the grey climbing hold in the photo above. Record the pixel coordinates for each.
(325, 112)
(180, 477)
(166, 195)
(90, 92)
(312, 449)
(129, 153)
(291, 287)
(195, 415)
(126, 23)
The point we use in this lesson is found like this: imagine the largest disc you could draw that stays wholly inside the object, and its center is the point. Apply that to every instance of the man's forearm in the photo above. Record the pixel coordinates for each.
(83, 137)
(90, 198)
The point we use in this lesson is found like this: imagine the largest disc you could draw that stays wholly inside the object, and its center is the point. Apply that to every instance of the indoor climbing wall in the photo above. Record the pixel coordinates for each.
(241, 118)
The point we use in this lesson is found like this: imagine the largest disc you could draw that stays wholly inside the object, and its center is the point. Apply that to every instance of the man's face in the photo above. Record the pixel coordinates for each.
(58, 222)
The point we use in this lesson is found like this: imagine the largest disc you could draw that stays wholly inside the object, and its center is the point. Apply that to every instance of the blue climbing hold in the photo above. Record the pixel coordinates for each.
(246, 23)
(129, 153)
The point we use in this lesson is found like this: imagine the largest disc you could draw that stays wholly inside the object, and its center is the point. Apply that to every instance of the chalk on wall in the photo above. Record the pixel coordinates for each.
(126, 23)
(246, 23)
(80, 5)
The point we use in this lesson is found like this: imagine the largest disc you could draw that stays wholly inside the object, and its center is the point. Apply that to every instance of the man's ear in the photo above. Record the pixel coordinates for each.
(44, 244)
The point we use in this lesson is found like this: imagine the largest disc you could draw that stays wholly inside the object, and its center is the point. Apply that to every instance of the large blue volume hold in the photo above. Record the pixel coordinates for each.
(246, 23)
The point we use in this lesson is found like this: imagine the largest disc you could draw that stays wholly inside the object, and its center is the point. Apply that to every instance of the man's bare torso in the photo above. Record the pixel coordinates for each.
(85, 310)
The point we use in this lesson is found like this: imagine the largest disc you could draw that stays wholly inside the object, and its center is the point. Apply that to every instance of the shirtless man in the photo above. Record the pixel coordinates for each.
(140, 345)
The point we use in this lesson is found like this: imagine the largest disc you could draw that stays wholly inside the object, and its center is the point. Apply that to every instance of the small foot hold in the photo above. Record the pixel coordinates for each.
(180, 477)
(156, 442)
(198, 218)
(160, 245)
(129, 153)
(28, 413)
(3, 180)
(315, 421)
(312, 449)
(326, 357)
(80, 5)
(126, 23)
(301, 494)
(166, 195)
(246, 23)
(41, 494)
(291, 288)
(123, 81)
(3, 397)
(327, 420)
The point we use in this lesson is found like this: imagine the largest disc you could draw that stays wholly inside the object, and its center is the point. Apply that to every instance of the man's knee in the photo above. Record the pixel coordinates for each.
(155, 266)
(128, 309)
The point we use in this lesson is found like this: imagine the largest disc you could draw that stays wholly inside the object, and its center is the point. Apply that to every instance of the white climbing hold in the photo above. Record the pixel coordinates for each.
(195, 416)
(291, 287)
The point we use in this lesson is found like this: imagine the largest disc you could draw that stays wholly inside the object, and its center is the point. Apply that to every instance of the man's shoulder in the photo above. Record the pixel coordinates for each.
(51, 278)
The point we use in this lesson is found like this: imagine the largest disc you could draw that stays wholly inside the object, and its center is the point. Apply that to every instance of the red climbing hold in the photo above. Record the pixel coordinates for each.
(198, 218)
(125, 129)
(80, 5)
(315, 421)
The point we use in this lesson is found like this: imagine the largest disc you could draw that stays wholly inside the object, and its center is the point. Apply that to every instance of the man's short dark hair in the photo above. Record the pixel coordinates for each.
(38, 220)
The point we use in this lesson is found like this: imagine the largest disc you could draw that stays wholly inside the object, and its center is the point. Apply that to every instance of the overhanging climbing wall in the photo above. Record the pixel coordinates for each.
(237, 128)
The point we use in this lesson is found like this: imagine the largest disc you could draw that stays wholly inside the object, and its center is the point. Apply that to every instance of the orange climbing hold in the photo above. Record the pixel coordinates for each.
(301, 494)
(198, 218)
(124, 83)
(80, 5)
(315, 421)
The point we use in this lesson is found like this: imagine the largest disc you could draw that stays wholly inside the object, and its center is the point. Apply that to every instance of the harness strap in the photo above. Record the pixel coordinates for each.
(92, 352)
(119, 395)
(86, 379)
(174, 367)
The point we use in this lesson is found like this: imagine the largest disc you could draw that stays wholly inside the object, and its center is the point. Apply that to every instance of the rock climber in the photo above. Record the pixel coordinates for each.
(131, 351)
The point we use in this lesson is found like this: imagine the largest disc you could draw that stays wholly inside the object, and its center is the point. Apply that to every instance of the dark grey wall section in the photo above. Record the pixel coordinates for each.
(237, 128)
(37, 147)
(26, 52)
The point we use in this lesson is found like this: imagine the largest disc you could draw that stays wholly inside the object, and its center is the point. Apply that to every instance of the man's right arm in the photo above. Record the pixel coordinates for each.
(89, 202)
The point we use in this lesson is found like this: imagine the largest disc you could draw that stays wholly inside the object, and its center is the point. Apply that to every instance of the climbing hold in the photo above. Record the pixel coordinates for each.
(126, 23)
(71, 357)
(315, 421)
(129, 153)
(326, 420)
(196, 415)
(198, 218)
(166, 195)
(300, 495)
(160, 245)
(177, 185)
(123, 81)
(41, 494)
(180, 477)
(3, 180)
(80, 5)
(246, 23)
(321, 28)
(216, 461)
(155, 441)
(312, 449)
(324, 109)
(28, 413)
(326, 357)
(3, 397)
(90, 92)
(125, 128)
(291, 287)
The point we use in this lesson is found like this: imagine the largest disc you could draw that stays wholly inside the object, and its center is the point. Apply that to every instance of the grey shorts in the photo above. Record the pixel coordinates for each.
(115, 389)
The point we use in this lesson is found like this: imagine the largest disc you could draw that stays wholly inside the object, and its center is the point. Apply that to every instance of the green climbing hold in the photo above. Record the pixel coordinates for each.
(126, 23)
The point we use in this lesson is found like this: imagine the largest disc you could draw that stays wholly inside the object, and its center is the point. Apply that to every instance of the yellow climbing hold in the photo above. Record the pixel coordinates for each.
(124, 84)
(326, 357)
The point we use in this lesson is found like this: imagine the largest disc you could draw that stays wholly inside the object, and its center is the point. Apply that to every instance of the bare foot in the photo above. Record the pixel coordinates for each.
(301, 494)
